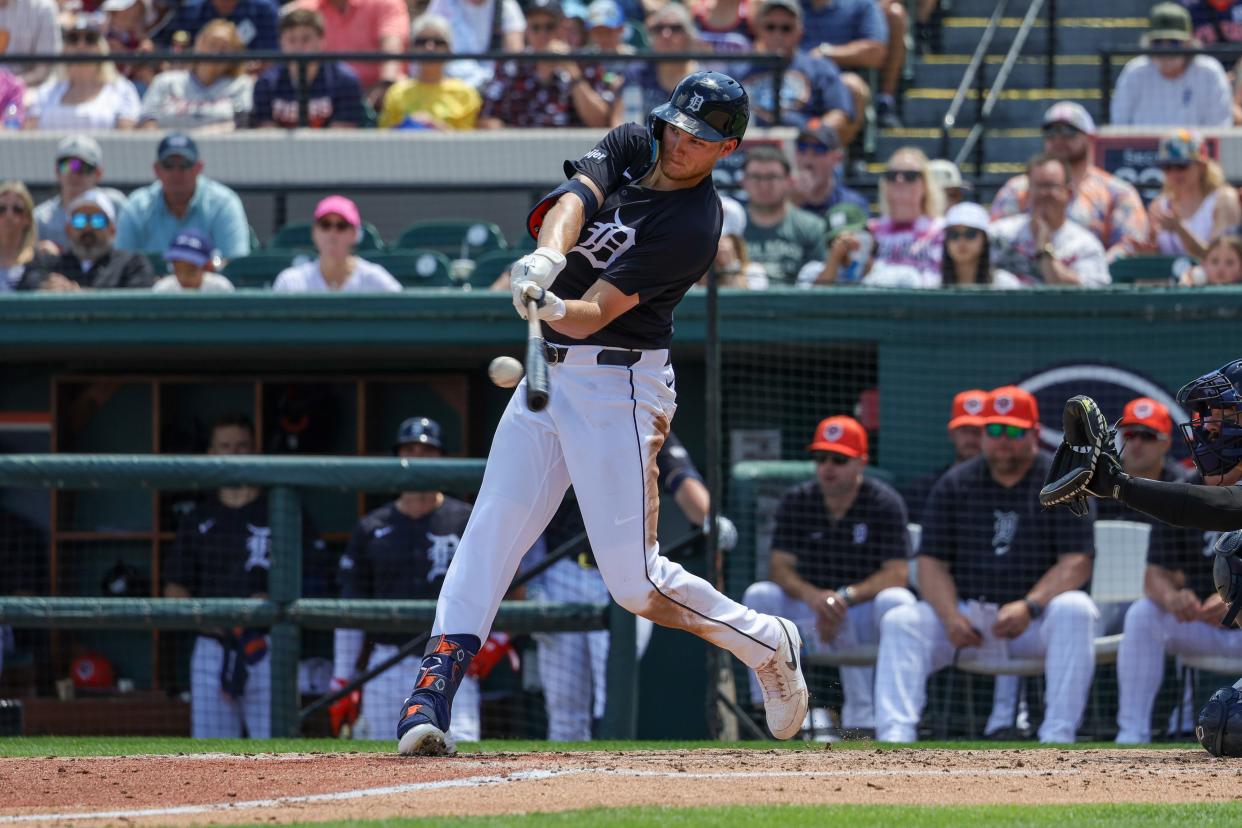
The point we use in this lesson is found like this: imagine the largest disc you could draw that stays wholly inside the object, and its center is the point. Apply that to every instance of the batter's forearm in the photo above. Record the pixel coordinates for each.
(1213, 508)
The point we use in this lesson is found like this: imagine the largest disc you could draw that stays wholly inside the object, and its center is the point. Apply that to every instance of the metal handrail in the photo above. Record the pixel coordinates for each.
(998, 87)
(968, 79)
(1221, 52)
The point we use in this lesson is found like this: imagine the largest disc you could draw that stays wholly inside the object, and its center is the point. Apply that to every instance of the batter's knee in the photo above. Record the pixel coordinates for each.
(1073, 608)
(637, 599)
(762, 596)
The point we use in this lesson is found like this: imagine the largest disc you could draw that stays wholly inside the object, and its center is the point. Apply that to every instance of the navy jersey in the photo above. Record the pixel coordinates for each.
(654, 243)
(222, 552)
(395, 557)
(997, 541)
(1175, 548)
(833, 552)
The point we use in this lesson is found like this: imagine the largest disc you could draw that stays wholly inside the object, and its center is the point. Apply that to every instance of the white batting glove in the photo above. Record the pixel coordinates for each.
(540, 267)
(726, 533)
(551, 307)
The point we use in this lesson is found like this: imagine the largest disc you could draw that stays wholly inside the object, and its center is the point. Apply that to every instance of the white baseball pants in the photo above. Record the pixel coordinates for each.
(1149, 633)
(214, 714)
(861, 626)
(913, 645)
(601, 431)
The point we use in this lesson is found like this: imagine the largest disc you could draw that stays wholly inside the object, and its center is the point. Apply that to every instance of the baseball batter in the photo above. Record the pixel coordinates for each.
(620, 243)
(402, 550)
(1214, 434)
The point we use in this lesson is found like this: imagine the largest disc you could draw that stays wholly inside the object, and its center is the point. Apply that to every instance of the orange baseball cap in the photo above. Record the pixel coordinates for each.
(1011, 405)
(1144, 412)
(840, 435)
(92, 671)
(968, 408)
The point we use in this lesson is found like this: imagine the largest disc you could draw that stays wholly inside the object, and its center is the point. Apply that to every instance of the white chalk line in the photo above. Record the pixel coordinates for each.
(538, 775)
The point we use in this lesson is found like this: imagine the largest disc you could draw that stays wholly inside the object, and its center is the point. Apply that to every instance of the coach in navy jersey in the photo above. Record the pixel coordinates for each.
(400, 551)
(1001, 578)
(223, 550)
(838, 565)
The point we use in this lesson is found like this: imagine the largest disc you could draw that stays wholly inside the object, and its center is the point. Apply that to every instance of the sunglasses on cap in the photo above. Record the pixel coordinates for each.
(831, 457)
(176, 163)
(329, 224)
(84, 37)
(904, 176)
(1060, 131)
(434, 42)
(80, 221)
(813, 147)
(17, 209)
(967, 233)
(74, 165)
(1013, 432)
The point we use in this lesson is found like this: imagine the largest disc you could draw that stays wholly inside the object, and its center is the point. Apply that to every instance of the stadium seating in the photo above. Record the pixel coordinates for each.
(260, 269)
(1134, 269)
(465, 238)
(297, 236)
(489, 266)
(415, 268)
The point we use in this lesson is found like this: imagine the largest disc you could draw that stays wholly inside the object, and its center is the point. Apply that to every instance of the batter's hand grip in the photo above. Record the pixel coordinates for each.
(537, 387)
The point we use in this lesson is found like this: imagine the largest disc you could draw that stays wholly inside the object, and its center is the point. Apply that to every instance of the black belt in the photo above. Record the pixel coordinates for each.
(626, 359)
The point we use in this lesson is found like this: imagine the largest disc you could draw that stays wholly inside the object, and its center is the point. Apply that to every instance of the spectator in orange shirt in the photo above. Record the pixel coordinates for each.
(366, 26)
(1104, 204)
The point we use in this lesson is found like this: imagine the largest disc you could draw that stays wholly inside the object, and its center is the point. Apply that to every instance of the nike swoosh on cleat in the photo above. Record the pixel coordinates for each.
(792, 665)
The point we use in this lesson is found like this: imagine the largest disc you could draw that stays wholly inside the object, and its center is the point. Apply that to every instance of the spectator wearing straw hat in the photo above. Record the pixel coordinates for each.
(949, 177)
(838, 559)
(1170, 89)
(1103, 203)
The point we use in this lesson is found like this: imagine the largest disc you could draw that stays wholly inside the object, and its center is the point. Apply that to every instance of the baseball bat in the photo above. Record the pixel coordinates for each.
(536, 361)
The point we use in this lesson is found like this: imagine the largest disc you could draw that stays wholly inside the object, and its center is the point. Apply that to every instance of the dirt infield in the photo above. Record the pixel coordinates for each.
(214, 789)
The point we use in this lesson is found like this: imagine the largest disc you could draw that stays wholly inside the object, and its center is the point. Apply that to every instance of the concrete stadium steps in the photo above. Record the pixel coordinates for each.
(1069, 71)
(1017, 108)
(983, 8)
(1003, 145)
(1075, 35)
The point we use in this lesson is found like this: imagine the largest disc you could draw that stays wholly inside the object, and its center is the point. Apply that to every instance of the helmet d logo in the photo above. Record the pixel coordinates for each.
(696, 101)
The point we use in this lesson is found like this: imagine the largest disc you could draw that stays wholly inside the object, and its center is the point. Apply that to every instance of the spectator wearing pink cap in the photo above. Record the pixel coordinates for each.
(338, 226)
(1104, 204)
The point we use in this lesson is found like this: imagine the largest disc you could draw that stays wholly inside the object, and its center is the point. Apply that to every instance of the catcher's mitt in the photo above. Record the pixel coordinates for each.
(1085, 463)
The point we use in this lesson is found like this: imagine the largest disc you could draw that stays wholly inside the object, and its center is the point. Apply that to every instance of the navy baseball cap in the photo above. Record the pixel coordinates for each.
(419, 430)
(177, 143)
(191, 246)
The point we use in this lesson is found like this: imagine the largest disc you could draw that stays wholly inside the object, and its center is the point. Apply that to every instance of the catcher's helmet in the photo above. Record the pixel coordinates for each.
(708, 105)
(1215, 440)
(1219, 726)
(418, 430)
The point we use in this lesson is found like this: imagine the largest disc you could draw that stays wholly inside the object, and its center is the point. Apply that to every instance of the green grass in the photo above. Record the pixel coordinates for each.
(854, 816)
(130, 745)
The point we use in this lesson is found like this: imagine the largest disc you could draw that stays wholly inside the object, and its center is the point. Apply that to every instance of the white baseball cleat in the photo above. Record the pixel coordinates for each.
(785, 697)
(426, 740)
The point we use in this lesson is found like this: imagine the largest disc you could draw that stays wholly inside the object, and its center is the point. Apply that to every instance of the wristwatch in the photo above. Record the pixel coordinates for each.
(846, 594)
(1035, 608)
(1046, 250)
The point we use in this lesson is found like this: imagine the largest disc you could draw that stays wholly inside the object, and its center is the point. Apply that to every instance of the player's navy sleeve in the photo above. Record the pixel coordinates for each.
(1214, 508)
(675, 465)
(354, 567)
(940, 521)
(624, 155)
(180, 566)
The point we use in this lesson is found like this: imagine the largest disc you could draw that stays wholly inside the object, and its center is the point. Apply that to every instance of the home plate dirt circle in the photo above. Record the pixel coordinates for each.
(217, 789)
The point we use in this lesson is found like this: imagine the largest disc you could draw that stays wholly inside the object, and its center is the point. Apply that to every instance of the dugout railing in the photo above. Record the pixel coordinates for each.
(285, 611)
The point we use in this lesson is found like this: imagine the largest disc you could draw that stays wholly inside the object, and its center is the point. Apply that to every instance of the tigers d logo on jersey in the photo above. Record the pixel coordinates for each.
(607, 241)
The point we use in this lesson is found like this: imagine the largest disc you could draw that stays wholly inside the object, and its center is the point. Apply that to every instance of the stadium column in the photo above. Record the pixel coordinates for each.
(284, 587)
(621, 705)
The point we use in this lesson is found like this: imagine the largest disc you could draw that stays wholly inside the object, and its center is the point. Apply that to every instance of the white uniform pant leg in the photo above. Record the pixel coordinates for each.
(1004, 704)
(862, 627)
(1150, 633)
(523, 485)
(913, 645)
(767, 597)
(382, 696)
(214, 714)
(612, 422)
(1065, 635)
(467, 723)
(256, 700)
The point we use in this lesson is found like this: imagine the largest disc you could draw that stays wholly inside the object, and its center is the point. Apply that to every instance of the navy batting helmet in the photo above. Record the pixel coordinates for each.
(708, 105)
(1219, 727)
(1214, 432)
(418, 430)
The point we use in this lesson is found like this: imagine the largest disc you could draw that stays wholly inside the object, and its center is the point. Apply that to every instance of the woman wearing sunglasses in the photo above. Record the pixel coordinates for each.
(85, 96)
(336, 230)
(967, 258)
(1197, 204)
(17, 233)
(909, 234)
(430, 99)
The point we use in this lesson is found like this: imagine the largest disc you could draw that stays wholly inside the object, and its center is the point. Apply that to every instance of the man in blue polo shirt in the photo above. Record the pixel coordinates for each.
(182, 198)
(255, 20)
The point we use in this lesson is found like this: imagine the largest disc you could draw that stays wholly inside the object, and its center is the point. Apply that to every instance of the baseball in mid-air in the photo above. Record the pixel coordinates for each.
(505, 371)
